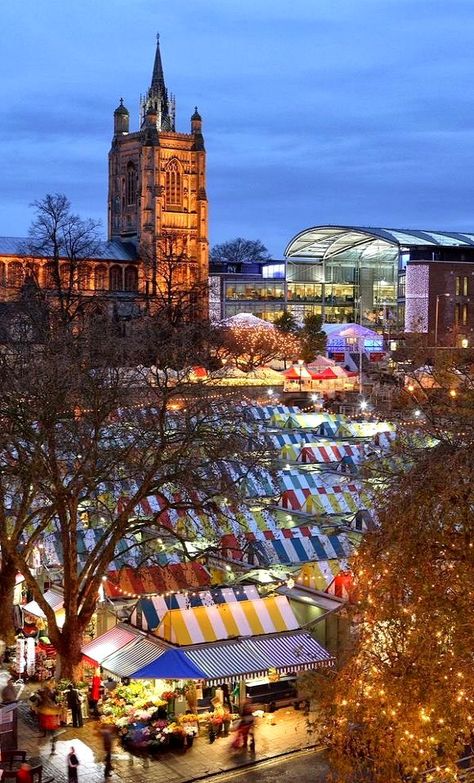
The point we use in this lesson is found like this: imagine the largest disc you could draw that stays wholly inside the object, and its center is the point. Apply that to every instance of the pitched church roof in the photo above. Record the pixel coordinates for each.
(108, 251)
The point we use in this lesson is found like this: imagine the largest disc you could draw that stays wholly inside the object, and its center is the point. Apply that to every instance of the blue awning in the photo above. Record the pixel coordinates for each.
(173, 665)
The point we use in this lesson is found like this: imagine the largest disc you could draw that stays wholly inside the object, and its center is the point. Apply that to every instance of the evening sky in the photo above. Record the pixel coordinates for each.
(314, 111)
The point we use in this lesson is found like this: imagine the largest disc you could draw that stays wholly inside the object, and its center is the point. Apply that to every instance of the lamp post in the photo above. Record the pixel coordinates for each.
(438, 297)
(300, 369)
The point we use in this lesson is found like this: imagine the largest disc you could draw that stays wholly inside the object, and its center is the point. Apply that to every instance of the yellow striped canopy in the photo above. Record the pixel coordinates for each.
(320, 575)
(223, 621)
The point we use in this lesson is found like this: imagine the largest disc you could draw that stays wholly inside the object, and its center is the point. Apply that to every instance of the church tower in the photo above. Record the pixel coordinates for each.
(157, 192)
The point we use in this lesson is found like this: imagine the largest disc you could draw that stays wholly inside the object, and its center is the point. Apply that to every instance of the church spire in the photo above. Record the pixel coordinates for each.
(157, 79)
(156, 98)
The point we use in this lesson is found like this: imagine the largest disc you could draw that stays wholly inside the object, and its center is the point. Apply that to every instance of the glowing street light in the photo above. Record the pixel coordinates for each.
(270, 392)
(417, 413)
(363, 405)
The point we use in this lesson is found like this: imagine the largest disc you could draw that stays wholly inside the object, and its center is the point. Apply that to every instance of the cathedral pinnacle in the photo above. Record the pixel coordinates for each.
(157, 96)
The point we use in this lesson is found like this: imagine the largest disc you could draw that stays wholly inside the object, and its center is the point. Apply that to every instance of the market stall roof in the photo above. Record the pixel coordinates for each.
(245, 321)
(152, 610)
(224, 621)
(239, 659)
(265, 412)
(54, 598)
(328, 452)
(136, 654)
(301, 547)
(108, 643)
(286, 653)
(156, 579)
(173, 665)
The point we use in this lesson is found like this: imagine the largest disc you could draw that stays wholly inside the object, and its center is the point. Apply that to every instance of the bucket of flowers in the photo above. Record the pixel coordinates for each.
(177, 735)
(159, 736)
(190, 724)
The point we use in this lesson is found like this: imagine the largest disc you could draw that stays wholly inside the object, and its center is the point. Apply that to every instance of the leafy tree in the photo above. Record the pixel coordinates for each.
(239, 251)
(313, 338)
(287, 323)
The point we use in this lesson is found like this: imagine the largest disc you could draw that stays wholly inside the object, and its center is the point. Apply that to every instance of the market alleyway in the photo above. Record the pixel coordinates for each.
(282, 732)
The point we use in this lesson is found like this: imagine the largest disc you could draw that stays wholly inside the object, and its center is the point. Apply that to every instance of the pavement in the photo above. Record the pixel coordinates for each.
(276, 735)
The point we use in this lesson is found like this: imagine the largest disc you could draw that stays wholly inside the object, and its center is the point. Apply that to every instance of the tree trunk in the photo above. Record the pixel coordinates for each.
(8, 573)
(69, 657)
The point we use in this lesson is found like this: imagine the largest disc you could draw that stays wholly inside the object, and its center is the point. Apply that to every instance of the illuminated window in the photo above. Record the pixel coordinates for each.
(84, 277)
(131, 278)
(173, 184)
(131, 185)
(100, 278)
(15, 274)
(464, 314)
(116, 278)
(65, 275)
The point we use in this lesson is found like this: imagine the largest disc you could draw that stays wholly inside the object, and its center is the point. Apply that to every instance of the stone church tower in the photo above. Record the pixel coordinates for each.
(157, 193)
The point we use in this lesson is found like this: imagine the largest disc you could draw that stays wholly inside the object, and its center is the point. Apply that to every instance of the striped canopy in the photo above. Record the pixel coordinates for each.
(223, 621)
(156, 579)
(333, 500)
(294, 546)
(265, 412)
(109, 642)
(239, 659)
(305, 421)
(133, 656)
(321, 575)
(363, 429)
(54, 598)
(329, 452)
(149, 612)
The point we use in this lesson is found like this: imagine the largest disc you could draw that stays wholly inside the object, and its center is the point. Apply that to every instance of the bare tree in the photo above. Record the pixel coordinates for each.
(239, 251)
(87, 453)
(67, 242)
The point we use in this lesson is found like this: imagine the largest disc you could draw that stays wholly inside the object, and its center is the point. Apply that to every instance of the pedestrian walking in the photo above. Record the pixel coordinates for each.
(72, 765)
(73, 699)
(107, 738)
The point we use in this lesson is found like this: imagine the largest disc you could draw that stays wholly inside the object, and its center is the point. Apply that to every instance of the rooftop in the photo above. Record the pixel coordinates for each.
(326, 242)
(107, 251)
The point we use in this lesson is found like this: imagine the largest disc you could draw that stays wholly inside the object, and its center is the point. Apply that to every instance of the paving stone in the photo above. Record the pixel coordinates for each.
(285, 731)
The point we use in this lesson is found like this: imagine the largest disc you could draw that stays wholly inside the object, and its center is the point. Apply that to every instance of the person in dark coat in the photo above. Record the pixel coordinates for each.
(74, 704)
(72, 765)
(107, 737)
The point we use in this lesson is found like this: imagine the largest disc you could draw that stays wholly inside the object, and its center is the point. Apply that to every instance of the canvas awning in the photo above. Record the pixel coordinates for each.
(287, 653)
(328, 452)
(239, 659)
(292, 547)
(134, 655)
(156, 579)
(210, 623)
(108, 643)
(55, 600)
(149, 612)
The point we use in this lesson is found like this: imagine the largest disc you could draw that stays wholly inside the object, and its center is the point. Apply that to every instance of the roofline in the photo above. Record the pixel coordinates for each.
(373, 233)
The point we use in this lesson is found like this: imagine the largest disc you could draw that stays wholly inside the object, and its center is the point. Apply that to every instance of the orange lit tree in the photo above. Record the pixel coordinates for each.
(250, 347)
(402, 701)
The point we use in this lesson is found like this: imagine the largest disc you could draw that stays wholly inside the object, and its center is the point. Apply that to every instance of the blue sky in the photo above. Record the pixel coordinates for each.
(315, 111)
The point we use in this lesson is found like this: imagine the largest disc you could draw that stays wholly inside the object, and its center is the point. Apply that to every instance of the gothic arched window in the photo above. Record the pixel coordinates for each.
(3, 273)
(100, 278)
(173, 184)
(131, 185)
(84, 277)
(49, 275)
(15, 274)
(131, 278)
(116, 278)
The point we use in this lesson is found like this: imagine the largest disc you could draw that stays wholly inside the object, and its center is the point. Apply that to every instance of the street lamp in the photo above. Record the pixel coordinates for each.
(464, 343)
(438, 297)
(270, 393)
(300, 367)
(363, 405)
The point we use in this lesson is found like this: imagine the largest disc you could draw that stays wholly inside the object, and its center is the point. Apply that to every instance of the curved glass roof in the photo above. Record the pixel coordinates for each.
(326, 242)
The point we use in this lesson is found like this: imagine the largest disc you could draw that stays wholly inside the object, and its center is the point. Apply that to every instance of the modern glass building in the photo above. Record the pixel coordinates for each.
(352, 274)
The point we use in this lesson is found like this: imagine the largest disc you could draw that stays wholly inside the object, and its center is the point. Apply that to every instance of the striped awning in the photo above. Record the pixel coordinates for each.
(265, 412)
(109, 642)
(156, 579)
(238, 618)
(133, 656)
(149, 612)
(53, 598)
(329, 452)
(244, 658)
(320, 575)
(298, 548)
